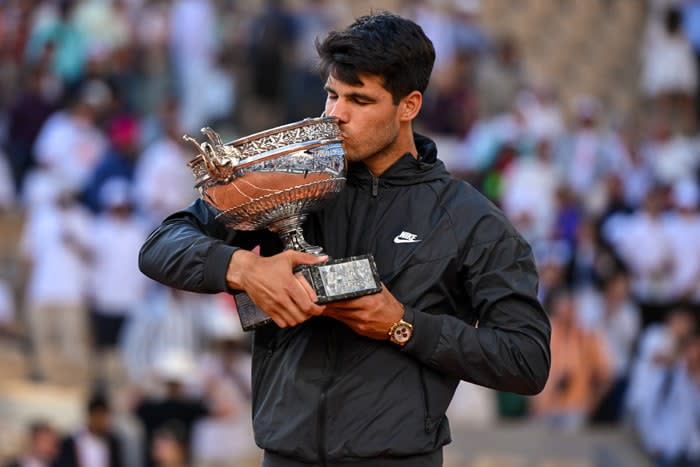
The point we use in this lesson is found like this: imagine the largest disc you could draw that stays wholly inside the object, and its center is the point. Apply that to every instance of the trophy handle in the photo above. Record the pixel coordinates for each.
(215, 165)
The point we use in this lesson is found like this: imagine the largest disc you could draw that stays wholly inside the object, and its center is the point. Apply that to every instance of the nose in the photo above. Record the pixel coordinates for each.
(337, 109)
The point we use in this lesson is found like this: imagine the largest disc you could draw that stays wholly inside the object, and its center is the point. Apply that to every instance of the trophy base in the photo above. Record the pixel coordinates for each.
(337, 279)
(248, 312)
(342, 279)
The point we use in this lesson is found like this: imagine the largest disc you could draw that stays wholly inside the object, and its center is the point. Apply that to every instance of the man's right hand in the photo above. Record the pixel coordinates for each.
(272, 285)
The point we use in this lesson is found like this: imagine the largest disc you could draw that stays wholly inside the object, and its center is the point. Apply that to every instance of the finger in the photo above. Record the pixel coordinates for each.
(279, 321)
(303, 301)
(307, 287)
(299, 257)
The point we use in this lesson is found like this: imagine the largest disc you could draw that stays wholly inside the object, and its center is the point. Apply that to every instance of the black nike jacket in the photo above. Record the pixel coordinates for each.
(325, 395)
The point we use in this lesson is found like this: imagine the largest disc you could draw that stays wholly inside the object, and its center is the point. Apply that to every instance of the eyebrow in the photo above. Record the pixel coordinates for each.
(353, 95)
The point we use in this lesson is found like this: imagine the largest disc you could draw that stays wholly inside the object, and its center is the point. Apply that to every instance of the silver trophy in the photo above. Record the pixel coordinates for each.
(273, 179)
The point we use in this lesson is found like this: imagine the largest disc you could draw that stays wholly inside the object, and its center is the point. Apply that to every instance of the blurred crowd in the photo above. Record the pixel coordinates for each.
(95, 96)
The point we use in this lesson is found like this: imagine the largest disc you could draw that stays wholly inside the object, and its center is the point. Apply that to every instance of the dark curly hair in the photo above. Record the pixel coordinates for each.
(383, 44)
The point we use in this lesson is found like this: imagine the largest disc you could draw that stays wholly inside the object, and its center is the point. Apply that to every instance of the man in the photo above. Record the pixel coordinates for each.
(42, 449)
(95, 445)
(331, 384)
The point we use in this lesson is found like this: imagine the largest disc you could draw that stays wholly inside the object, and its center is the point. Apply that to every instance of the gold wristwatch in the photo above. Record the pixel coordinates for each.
(401, 332)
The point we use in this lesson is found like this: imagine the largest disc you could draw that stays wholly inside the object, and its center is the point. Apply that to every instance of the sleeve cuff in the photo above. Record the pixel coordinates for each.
(218, 259)
(426, 333)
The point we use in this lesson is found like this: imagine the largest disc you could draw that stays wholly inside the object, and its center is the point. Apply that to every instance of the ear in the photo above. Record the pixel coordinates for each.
(410, 105)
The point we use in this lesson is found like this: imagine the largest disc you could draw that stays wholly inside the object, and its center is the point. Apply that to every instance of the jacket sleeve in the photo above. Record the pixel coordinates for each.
(190, 250)
(508, 349)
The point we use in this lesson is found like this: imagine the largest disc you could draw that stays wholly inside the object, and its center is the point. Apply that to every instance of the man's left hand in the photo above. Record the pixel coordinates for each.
(371, 315)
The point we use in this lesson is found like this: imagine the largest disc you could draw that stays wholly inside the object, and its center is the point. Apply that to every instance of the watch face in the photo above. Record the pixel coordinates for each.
(402, 333)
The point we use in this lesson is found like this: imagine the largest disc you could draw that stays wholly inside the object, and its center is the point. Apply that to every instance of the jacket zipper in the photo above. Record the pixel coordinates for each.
(375, 185)
(322, 400)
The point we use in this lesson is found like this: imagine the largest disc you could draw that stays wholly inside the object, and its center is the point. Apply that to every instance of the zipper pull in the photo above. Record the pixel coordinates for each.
(375, 185)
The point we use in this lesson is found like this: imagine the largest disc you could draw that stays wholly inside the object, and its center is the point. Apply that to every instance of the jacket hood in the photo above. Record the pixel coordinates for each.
(407, 170)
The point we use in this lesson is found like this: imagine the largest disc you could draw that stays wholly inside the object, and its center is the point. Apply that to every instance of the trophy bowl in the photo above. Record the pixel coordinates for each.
(272, 180)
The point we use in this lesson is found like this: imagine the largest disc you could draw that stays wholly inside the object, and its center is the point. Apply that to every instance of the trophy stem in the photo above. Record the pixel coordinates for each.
(290, 231)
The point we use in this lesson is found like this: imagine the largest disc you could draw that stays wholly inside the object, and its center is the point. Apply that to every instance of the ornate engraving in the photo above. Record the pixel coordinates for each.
(270, 176)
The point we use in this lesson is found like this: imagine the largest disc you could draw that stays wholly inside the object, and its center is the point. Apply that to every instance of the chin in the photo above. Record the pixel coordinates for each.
(352, 157)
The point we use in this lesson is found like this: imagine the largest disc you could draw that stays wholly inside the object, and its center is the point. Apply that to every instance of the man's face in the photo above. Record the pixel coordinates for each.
(99, 421)
(367, 116)
(45, 444)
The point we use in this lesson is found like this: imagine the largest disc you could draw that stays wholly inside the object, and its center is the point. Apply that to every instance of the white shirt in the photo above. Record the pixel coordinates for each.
(683, 238)
(163, 164)
(7, 185)
(674, 159)
(585, 161)
(114, 270)
(669, 422)
(619, 328)
(669, 66)
(641, 241)
(529, 186)
(7, 303)
(645, 373)
(58, 272)
(92, 451)
(70, 147)
(32, 462)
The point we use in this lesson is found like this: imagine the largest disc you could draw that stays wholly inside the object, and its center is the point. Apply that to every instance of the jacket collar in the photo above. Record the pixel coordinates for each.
(407, 170)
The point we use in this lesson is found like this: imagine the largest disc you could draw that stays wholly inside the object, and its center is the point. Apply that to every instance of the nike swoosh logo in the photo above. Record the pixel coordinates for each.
(404, 240)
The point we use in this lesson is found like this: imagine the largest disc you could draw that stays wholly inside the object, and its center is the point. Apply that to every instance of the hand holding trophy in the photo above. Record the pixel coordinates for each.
(273, 179)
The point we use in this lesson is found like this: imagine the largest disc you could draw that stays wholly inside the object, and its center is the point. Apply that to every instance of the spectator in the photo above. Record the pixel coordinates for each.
(541, 112)
(118, 161)
(682, 228)
(663, 396)
(172, 368)
(672, 155)
(589, 150)
(42, 447)
(7, 306)
(635, 170)
(532, 211)
(116, 237)
(580, 374)
(500, 78)
(669, 74)
(94, 445)
(164, 163)
(592, 262)
(273, 34)
(202, 88)
(58, 37)
(451, 104)
(7, 192)
(612, 315)
(55, 243)
(103, 25)
(226, 436)
(313, 19)
(640, 241)
(169, 447)
(660, 346)
(70, 144)
(26, 115)
(675, 438)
